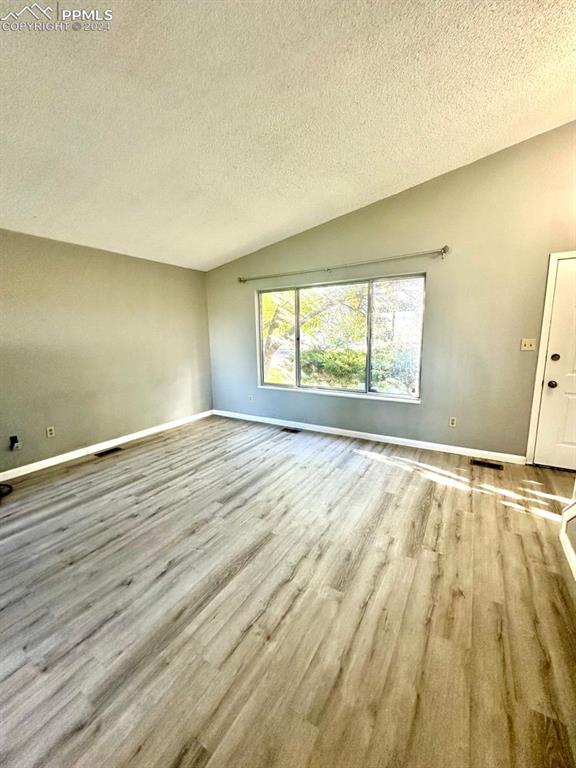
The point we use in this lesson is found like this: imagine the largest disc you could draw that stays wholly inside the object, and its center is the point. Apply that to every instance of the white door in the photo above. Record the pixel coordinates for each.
(556, 435)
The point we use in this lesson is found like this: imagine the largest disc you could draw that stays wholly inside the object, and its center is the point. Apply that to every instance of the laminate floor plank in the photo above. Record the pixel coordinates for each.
(229, 595)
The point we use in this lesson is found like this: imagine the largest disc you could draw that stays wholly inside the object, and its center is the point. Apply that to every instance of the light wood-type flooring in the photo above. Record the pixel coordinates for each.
(230, 595)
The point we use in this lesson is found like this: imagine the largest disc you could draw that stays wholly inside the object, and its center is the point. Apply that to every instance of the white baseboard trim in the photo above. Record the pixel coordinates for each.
(510, 458)
(62, 458)
(10, 474)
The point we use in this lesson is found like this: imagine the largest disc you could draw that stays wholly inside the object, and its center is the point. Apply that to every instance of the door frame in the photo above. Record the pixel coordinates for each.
(554, 260)
(569, 513)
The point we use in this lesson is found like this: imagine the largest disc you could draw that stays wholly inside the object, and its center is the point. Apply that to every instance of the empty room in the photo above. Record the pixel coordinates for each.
(288, 384)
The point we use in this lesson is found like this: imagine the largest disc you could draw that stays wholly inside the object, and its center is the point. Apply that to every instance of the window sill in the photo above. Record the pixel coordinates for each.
(355, 395)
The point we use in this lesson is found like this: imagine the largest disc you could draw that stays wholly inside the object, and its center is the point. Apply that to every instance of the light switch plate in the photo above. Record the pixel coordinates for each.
(528, 345)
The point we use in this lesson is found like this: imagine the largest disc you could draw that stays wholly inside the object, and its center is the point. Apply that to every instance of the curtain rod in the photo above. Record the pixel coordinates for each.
(435, 252)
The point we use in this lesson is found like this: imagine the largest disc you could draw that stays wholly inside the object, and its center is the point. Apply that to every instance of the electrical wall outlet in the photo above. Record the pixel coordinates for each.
(251, 398)
(528, 345)
(51, 431)
(452, 421)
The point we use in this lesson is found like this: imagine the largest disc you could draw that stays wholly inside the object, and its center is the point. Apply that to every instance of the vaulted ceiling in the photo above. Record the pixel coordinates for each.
(195, 131)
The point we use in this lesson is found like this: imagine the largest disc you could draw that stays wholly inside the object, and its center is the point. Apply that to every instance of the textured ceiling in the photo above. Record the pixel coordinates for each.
(196, 131)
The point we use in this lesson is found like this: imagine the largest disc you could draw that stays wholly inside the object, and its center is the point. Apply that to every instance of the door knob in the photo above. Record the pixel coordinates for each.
(552, 384)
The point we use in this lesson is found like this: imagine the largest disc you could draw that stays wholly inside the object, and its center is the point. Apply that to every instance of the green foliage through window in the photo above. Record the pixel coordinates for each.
(333, 338)
(278, 327)
(341, 368)
(363, 336)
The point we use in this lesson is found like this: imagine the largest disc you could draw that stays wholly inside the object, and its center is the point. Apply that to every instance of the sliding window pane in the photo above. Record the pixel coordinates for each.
(397, 313)
(333, 329)
(278, 337)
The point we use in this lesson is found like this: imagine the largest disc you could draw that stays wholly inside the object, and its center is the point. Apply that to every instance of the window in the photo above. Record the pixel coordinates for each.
(333, 338)
(362, 337)
(397, 314)
(278, 339)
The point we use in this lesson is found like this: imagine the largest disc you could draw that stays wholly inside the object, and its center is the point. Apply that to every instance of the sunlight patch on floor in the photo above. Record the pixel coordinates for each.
(511, 494)
(542, 495)
(533, 511)
(452, 480)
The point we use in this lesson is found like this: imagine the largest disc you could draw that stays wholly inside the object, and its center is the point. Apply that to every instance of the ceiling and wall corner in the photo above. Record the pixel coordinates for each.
(501, 217)
(194, 133)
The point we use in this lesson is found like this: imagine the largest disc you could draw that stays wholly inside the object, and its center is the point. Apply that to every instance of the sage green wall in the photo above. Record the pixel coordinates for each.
(501, 217)
(97, 344)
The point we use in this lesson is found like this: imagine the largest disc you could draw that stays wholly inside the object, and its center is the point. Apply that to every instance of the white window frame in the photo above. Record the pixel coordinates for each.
(333, 392)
